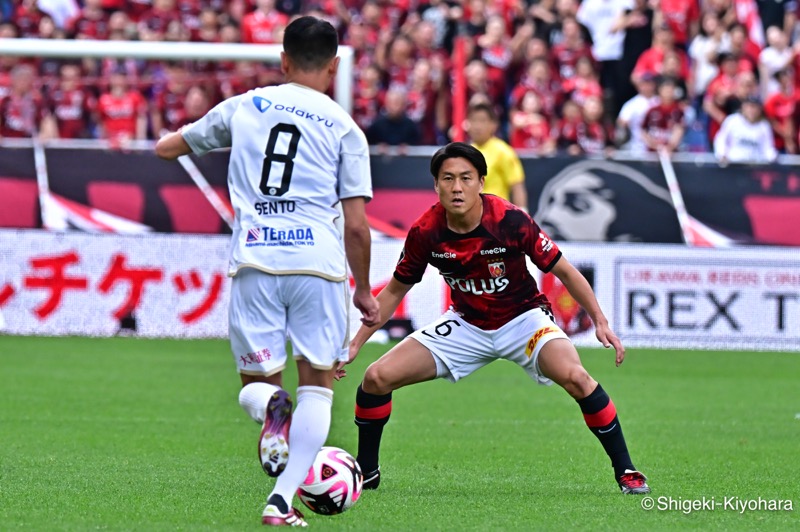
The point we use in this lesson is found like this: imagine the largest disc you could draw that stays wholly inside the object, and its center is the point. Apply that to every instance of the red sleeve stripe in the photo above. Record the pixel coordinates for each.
(603, 417)
(378, 412)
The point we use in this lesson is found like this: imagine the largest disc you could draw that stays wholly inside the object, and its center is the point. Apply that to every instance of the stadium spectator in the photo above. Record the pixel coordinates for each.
(155, 22)
(495, 50)
(745, 136)
(777, 56)
(682, 17)
(583, 83)
(779, 13)
(423, 96)
(26, 17)
(395, 56)
(593, 136)
(121, 112)
(566, 130)
(705, 49)
(60, 11)
(393, 127)
(195, 106)
(743, 48)
(505, 177)
(368, 97)
(570, 50)
(90, 23)
(673, 68)
(167, 111)
(632, 114)
(781, 111)
(444, 16)
(23, 112)
(720, 91)
(539, 80)
(637, 23)
(663, 125)
(260, 26)
(600, 17)
(474, 334)
(548, 16)
(71, 105)
(652, 60)
(530, 129)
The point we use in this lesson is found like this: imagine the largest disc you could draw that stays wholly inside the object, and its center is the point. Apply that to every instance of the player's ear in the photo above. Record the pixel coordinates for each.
(482, 182)
(333, 67)
(284, 63)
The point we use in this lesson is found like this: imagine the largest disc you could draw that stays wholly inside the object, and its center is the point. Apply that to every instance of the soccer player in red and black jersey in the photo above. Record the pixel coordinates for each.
(479, 244)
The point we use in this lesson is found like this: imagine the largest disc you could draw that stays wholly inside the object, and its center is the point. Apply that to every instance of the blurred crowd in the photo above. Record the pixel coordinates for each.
(583, 77)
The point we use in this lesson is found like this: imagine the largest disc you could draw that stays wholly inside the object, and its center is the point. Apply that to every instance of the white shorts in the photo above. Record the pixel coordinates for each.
(460, 349)
(267, 310)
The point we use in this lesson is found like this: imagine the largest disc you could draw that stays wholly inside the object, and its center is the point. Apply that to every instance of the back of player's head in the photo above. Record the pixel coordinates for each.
(310, 43)
(455, 150)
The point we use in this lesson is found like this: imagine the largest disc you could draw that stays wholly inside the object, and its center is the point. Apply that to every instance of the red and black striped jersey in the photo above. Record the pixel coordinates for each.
(485, 269)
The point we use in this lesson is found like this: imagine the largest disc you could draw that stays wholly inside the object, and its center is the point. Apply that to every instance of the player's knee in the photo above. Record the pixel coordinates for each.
(578, 383)
(376, 381)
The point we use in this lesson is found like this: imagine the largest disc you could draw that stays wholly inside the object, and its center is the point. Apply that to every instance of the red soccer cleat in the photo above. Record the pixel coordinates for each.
(633, 482)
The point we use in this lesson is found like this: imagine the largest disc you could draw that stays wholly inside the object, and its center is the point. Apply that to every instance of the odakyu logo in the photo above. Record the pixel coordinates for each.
(262, 104)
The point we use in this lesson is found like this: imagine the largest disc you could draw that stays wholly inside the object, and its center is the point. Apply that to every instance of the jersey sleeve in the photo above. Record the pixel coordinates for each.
(412, 263)
(214, 129)
(355, 179)
(539, 247)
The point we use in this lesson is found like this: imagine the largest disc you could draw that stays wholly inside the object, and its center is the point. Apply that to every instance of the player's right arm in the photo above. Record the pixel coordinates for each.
(389, 299)
(210, 132)
(171, 146)
(357, 245)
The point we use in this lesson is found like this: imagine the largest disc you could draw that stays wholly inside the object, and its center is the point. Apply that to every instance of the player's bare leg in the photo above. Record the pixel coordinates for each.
(409, 362)
(309, 430)
(559, 361)
(263, 398)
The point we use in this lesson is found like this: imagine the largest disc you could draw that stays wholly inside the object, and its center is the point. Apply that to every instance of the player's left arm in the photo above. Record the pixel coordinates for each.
(580, 289)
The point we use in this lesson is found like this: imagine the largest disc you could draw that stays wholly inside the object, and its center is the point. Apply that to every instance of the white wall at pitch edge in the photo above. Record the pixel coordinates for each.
(653, 295)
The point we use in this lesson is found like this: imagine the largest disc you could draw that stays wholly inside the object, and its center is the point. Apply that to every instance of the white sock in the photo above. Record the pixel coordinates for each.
(254, 398)
(310, 424)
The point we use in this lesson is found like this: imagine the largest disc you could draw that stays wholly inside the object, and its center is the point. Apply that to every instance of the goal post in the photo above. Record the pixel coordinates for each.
(87, 48)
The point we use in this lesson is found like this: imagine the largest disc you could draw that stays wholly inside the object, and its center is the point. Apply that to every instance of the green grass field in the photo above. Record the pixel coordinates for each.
(130, 434)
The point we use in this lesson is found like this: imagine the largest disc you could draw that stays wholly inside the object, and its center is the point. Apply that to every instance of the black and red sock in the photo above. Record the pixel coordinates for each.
(372, 413)
(601, 418)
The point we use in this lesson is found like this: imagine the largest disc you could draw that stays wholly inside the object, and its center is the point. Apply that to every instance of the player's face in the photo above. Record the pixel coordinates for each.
(459, 186)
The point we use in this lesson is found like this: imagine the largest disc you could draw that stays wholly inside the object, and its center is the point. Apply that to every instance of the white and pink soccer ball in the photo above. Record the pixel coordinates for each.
(333, 483)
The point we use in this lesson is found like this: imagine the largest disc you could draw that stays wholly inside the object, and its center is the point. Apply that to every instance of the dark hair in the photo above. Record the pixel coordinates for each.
(455, 150)
(310, 43)
(483, 107)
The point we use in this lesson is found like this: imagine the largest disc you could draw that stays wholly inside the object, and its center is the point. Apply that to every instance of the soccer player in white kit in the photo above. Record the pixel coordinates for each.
(295, 154)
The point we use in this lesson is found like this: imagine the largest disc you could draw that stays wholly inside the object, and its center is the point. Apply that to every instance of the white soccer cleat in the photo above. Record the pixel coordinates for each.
(273, 444)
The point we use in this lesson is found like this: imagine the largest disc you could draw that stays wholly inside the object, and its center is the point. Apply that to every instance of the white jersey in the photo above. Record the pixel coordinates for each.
(294, 154)
(740, 141)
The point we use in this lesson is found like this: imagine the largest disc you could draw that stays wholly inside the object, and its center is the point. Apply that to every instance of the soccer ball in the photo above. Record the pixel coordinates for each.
(333, 483)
